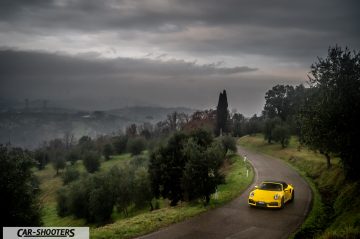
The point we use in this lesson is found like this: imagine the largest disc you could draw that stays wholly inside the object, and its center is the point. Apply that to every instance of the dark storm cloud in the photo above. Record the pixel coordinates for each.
(305, 14)
(37, 64)
(107, 83)
(277, 34)
(289, 29)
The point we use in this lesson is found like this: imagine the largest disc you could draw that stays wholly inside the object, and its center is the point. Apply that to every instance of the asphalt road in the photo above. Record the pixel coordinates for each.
(237, 220)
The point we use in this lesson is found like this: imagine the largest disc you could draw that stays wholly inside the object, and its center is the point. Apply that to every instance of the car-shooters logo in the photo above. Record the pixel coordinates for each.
(46, 232)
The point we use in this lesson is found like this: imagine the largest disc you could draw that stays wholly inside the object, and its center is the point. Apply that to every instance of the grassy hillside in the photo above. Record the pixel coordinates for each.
(336, 202)
(50, 184)
(142, 221)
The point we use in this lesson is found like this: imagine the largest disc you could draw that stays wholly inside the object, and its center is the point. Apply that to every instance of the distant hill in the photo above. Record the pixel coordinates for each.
(29, 127)
(147, 113)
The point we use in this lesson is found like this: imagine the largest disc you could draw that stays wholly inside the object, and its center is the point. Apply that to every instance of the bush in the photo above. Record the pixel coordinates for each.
(139, 161)
(62, 206)
(107, 151)
(91, 161)
(119, 144)
(229, 143)
(78, 198)
(269, 127)
(86, 144)
(281, 134)
(58, 162)
(101, 201)
(122, 181)
(73, 156)
(70, 174)
(142, 188)
(41, 158)
(136, 145)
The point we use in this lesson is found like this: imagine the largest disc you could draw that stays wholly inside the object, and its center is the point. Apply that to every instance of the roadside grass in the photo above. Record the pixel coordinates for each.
(146, 222)
(335, 211)
(236, 180)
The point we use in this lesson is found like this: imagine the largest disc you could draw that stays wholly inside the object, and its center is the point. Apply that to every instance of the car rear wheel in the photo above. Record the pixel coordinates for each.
(282, 203)
(292, 196)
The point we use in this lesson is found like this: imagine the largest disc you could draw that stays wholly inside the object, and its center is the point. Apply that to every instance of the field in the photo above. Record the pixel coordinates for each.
(331, 215)
(142, 221)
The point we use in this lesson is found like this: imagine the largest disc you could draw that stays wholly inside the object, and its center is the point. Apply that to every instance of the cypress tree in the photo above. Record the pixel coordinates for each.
(222, 114)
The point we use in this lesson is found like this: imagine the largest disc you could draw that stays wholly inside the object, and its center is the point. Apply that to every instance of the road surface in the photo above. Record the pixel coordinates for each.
(237, 220)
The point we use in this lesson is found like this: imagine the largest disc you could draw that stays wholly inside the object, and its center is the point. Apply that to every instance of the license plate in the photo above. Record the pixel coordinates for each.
(261, 203)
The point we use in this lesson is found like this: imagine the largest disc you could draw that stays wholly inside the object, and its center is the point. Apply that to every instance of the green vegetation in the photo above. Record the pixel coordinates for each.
(58, 161)
(187, 167)
(107, 151)
(228, 143)
(325, 115)
(139, 220)
(91, 161)
(18, 187)
(336, 205)
(281, 134)
(330, 116)
(136, 145)
(70, 174)
(50, 184)
(146, 222)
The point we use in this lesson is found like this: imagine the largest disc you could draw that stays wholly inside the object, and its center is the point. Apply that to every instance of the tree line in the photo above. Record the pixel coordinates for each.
(323, 115)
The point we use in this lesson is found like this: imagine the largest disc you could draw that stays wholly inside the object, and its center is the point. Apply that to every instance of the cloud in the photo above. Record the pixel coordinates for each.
(41, 64)
(296, 30)
(166, 15)
(107, 83)
(260, 43)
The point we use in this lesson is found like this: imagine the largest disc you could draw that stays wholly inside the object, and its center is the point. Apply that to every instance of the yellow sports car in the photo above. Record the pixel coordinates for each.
(271, 194)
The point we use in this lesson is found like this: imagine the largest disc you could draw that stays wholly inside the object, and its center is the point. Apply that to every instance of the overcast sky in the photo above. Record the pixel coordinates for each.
(107, 54)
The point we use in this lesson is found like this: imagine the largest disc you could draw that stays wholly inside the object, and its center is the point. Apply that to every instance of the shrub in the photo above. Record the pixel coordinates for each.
(281, 134)
(41, 158)
(101, 201)
(136, 145)
(62, 206)
(58, 162)
(78, 197)
(86, 144)
(139, 161)
(107, 151)
(119, 144)
(122, 186)
(229, 143)
(91, 161)
(142, 188)
(70, 174)
(73, 156)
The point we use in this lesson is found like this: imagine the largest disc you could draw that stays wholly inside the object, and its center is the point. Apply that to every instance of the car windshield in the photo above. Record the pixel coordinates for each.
(270, 186)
